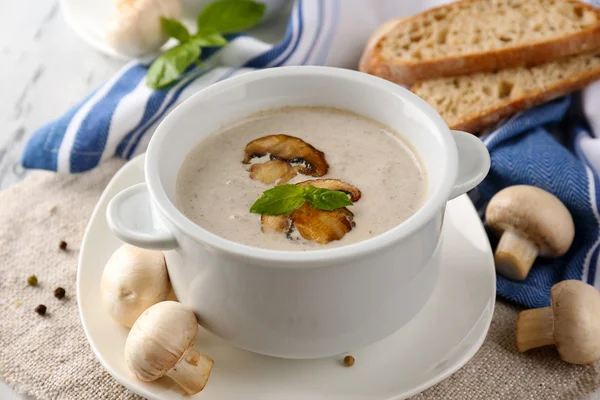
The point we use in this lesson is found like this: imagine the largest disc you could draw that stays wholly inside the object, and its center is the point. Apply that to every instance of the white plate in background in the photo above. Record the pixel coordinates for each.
(89, 18)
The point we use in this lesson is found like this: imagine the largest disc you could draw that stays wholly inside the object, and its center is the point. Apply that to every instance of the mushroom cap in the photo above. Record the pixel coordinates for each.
(576, 310)
(288, 148)
(322, 226)
(274, 171)
(135, 28)
(159, 338)
(536, 214)
(312, 224)
(133, 280)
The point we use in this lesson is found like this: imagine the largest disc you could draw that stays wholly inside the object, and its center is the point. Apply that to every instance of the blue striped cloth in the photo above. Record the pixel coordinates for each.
(119, 117)
(546, 147)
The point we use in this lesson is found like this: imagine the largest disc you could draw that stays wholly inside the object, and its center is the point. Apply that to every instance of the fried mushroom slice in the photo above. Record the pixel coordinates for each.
(273, 171)
(333, 184)
(322, 226)
(275, 223)
(317, 225)
(290, 149)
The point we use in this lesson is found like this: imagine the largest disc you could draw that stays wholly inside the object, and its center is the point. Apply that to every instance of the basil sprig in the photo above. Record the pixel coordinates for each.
(216, 19)
(286, 198)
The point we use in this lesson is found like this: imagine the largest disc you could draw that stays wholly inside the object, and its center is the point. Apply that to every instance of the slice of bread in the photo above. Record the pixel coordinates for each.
(474, 102)
(481, 36)
(368, 53)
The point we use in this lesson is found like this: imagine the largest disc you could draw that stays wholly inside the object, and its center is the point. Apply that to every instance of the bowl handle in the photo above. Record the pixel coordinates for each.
(473, 162)
(133, 218)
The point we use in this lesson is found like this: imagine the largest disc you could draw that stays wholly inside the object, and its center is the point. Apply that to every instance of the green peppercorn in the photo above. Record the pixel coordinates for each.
(32, 280)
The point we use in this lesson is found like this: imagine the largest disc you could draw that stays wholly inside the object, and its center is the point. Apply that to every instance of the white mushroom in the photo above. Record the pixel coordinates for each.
(531, 222)
(135, 28)
(133, 280)
(571, 323)
(161, 342)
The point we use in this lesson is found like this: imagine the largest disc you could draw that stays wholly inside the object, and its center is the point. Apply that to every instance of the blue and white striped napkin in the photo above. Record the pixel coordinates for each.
(119, 117)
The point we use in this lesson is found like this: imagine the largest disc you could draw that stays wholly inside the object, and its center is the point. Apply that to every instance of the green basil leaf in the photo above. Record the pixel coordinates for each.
(278, 201)
(174, 29)
(171, 64)
(230, 16)
(325, 199)
(208, 39)
(310, 190)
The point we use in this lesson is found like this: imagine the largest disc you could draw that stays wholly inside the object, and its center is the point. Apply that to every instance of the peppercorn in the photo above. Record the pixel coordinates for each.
(348, 361)
(41, 309)
(59, 293)
(62, 245)
(32, 280)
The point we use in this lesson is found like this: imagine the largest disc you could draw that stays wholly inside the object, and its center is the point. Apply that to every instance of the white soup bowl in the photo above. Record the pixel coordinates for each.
(300, 304)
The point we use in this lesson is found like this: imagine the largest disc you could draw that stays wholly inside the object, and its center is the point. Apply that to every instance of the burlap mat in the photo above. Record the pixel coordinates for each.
(49, 358)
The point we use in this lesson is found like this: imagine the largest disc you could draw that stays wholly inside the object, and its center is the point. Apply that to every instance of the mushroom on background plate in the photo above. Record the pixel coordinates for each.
(133, 280)
(135, 28)
(571, 323)
(530, 222)
(161, 342)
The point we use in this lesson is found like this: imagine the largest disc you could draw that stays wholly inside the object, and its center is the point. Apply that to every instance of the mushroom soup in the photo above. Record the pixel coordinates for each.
(309, 157)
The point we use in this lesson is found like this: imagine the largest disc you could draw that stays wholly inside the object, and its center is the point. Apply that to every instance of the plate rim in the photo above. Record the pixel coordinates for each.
(463, 360)
(97, 45)
(129, 384)
(97, 353)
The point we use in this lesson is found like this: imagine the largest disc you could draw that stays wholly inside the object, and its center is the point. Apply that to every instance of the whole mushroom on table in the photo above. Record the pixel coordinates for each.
(571, 323)
(136, 290)
(133, 280)
(530, 222)
(135, 28)
(161, 343)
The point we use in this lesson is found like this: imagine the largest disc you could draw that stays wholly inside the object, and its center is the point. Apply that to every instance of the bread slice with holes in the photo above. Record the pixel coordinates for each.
(474, 102)
(481, 36)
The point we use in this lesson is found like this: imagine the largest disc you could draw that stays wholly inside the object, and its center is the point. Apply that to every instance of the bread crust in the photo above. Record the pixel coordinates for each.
(367, 57)
(409, 72)
(477, 122)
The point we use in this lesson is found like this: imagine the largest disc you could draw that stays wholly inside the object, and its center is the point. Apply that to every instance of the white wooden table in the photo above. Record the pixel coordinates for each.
(44, 69)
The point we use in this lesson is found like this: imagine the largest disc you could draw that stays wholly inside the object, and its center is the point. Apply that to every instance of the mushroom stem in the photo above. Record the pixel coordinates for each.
(535, 328)
(515, 255)
(192, 370)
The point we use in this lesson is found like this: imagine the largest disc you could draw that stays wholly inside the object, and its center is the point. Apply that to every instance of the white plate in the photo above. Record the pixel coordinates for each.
(437, 342)
(89, 18)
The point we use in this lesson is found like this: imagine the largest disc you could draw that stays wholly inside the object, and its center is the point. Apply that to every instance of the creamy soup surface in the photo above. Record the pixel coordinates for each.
(215, 191)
